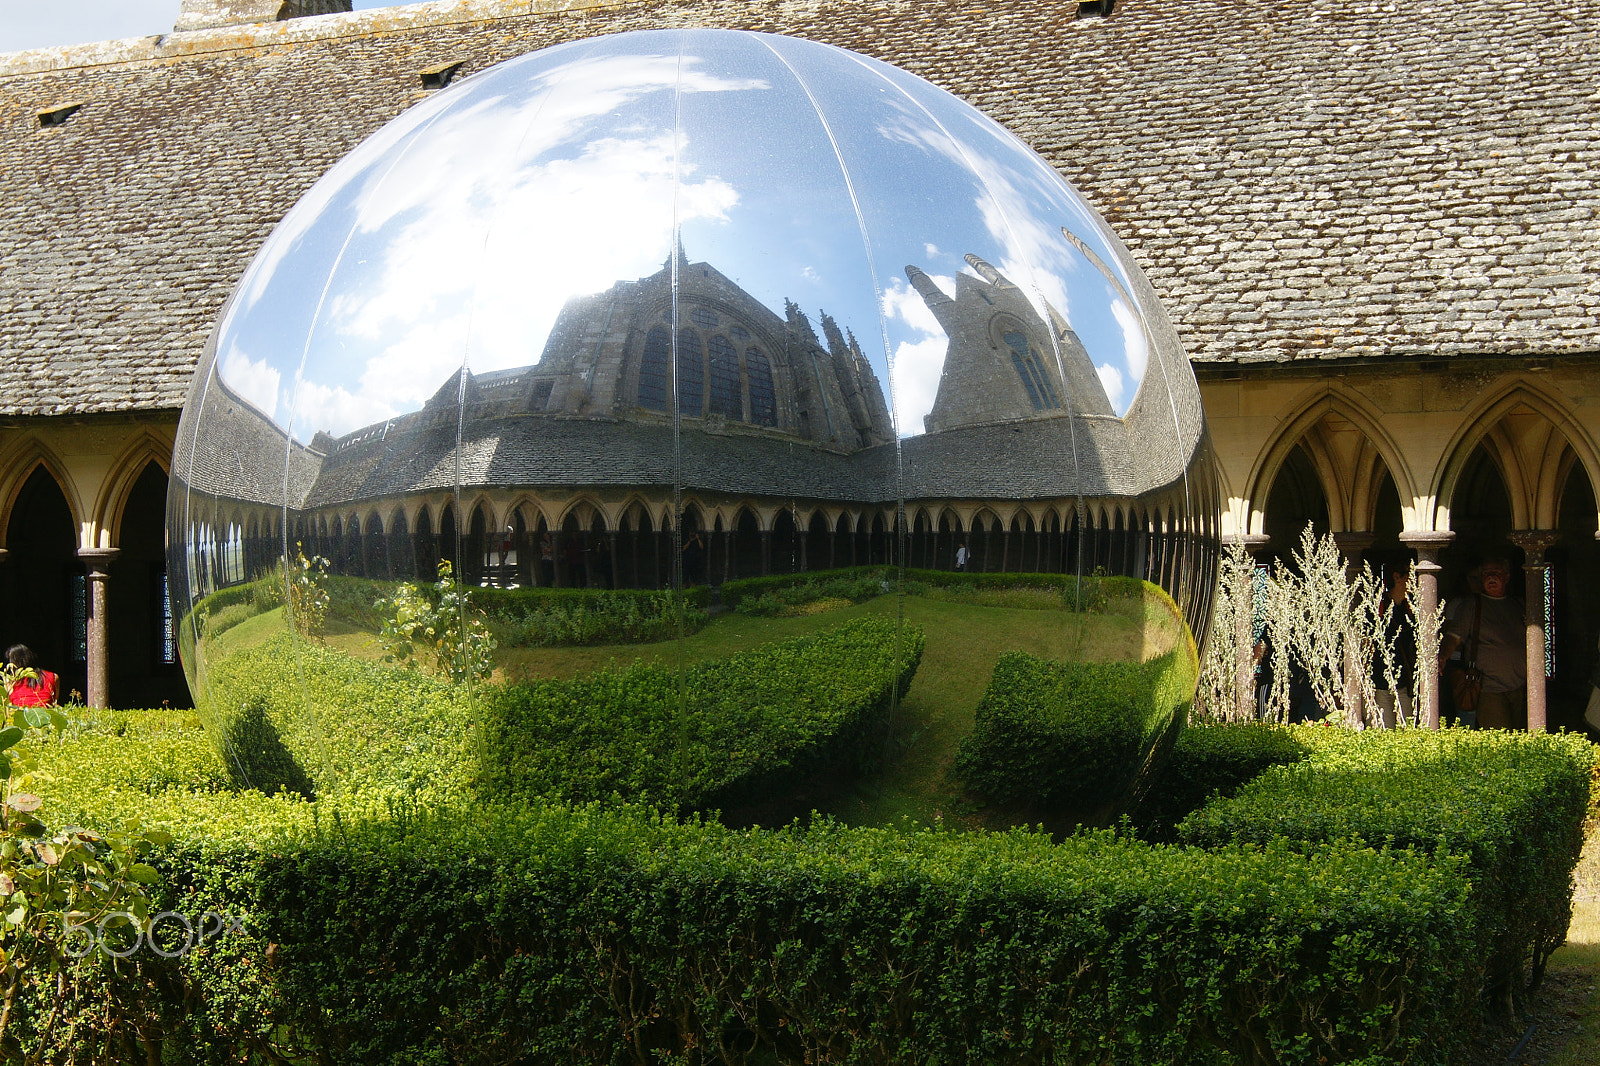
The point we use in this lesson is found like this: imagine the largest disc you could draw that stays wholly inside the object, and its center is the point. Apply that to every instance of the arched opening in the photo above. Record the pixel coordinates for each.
(747, 554)
(141, 651)
(374, 549)
(44, 603)
(572, 556)
(1480, 517)
(695, 549)
(449, 540)
(842, 545)
(1296, 498)
(1575, 566)
(426, 550)
(814, 551)
(785, 555)
(475, 548)
(517, 563)
(402, 551)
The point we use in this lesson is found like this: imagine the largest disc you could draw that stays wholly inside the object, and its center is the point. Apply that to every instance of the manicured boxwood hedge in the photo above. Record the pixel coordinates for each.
(548, 934)
(1072, 736)
(1511, 805)
(1298, 928)
(1208, 760)
(714, 733)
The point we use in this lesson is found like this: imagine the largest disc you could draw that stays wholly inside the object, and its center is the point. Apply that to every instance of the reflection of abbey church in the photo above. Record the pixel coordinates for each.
(786, 456)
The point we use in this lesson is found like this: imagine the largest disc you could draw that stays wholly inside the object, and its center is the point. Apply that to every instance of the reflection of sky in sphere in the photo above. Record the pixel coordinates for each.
(456, 234)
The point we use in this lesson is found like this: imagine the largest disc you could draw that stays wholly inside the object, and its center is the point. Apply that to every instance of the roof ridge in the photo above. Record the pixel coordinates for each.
(230, 39)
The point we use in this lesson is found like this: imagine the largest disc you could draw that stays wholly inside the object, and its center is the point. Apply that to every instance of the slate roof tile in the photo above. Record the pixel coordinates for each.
(1265, 129)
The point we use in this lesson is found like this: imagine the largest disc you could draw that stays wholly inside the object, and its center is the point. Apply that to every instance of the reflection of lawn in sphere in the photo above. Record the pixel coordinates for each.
(964, 639)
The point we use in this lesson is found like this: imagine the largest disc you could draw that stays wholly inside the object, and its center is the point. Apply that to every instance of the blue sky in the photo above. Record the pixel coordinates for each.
(28, 24)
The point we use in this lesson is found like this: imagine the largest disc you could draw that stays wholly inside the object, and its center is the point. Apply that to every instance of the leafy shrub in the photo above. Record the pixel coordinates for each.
(713, 733)
(587, 936)
(308, 594)
(439, 622)
(784, 599)
(505, 602)
(1072, 736)
(1210, 760)
(1512, 805)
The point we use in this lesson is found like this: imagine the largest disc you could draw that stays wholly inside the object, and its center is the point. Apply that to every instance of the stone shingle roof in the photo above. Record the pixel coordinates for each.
(1300, 178)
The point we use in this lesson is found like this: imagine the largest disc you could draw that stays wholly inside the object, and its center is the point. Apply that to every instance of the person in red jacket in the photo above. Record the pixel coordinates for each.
(37, 691)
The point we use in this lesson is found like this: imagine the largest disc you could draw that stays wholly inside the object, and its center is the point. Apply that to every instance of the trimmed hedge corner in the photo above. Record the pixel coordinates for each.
(1511, 806)
(1207, 761)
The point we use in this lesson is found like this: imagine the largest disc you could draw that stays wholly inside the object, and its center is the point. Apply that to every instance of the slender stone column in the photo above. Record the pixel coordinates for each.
(97, 562)
(1428, 544)
(1244, 684)
(1534, 543)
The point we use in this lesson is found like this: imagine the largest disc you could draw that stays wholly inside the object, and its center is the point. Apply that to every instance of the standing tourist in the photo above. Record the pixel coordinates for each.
(1489, 630)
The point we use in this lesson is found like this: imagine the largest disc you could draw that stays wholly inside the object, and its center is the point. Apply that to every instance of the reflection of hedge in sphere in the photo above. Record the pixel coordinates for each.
(591, 348)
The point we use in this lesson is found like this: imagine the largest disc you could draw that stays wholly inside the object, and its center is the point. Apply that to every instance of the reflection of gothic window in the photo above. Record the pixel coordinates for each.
(703, 318)
(653, 368)
(763, 406)
(1030, 368)
(725, 399)
(691, 372)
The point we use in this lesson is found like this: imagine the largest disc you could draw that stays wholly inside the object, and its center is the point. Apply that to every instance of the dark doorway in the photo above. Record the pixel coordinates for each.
(44, 580)
(141, 653)
(1296, 498)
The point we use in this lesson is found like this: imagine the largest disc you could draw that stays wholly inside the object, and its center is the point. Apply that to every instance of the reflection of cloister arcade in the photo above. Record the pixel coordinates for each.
(519, 538)
(1515, 480)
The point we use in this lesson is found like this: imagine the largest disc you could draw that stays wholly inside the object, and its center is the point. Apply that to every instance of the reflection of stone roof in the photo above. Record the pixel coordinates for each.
(1033, 459)
(243, 455)
(1316, 179)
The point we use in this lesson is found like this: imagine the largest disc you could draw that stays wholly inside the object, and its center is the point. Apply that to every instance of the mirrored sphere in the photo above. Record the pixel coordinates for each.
(672, 311)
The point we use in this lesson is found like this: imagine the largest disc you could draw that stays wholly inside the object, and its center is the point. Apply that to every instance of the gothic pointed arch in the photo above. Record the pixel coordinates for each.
(18, 463)
(142, 449)
(1350, 469)
(1530, 455)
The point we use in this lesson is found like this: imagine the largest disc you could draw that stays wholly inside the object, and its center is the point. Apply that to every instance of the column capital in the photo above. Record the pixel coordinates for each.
(1534, 543)
(1427, 538)
(1428, 543)
(1351, 542)
(1254, 543)
(98, 559)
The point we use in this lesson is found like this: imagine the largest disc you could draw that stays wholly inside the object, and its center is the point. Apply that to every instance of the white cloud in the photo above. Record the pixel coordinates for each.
(253, 379)
(1111, 381)
(919, 345)
(458, 232)
(1135, 343)
(931, 250)
(333, 409)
